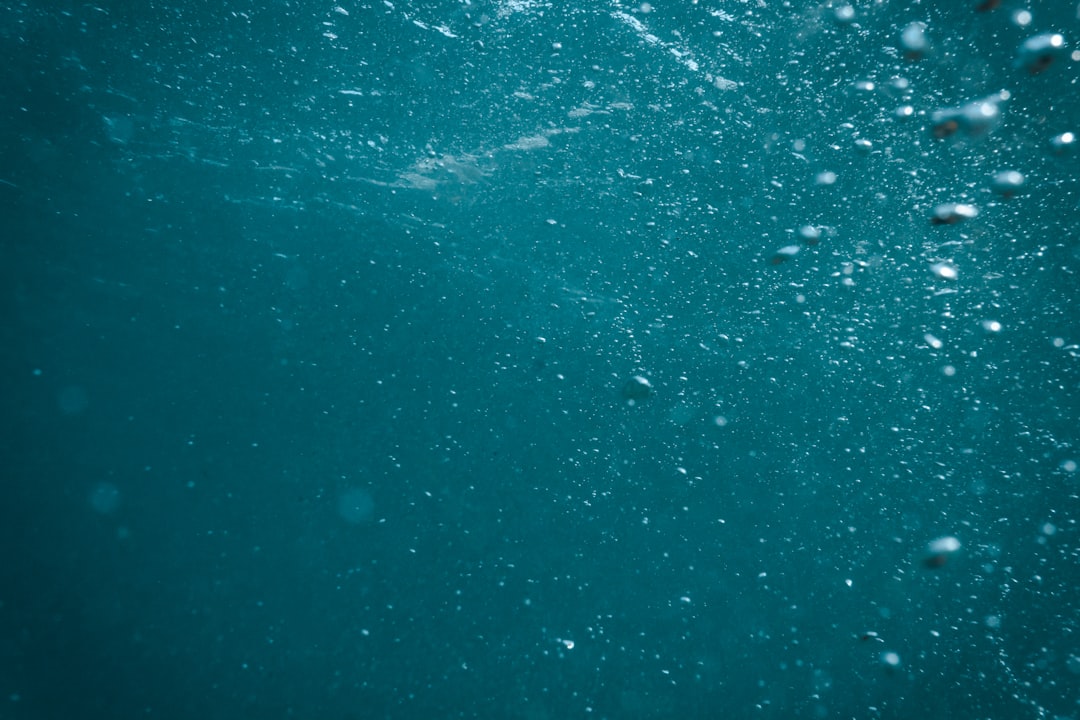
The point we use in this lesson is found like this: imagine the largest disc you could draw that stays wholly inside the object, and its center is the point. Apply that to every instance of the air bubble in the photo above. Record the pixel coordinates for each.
(1063, 143)
(972, 119)
(1039, 52)
(944, 271)
(1007, 183)
(952, 213)
(810, 235)
(785, 253)
(890, 659)
(940, 550)
(913, 40)
(637, 388)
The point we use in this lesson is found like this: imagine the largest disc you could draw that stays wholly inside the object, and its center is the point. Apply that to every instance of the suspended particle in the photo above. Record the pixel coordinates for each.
(972, 119)
(940, 550)
(637, 388)
(952, 213)
(1039, 52)
(785, 253)
(1063, 143)
(986, 5)
(913, 41)
(1007, 183)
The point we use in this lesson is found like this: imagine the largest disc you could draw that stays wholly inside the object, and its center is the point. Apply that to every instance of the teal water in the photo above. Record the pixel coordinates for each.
(322, 324)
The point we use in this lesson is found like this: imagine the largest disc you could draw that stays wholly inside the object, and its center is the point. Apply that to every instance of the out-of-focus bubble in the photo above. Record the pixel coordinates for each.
(939, 551)
(825, 177)
(785, 253)
(355, 506)
(72, 400)
(1039, 52)
(952, 213)
(1007, 183)
(899, 85)
(972, 119)
(944, 271)
(637, 388)
(844, 14)
(890, 659)
(905, 112)
(105, 498)
(118, 128)
(1063, 143)
(991, 326)
(864, 146)
(913, 40)
(810, 235)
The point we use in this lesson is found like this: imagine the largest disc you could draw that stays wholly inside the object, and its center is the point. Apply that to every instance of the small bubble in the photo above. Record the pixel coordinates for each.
(991, 326)
(72, 400)
(637, 388)
(355, 506)
(890, 659)
(913, 40)
(1007, 183)
(945, 271)
(844, 14)
(105, 498)
(1063, 143)
(1039, 52)
(810, 235)
(952, 213)
(973, 119)
(785, 253)
(940, 550)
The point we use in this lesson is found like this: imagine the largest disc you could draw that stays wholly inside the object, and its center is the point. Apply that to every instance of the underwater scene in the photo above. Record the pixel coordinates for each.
(532, 360)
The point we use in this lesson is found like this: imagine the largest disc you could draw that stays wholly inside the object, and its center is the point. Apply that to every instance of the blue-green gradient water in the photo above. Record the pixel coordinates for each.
(539, 360)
